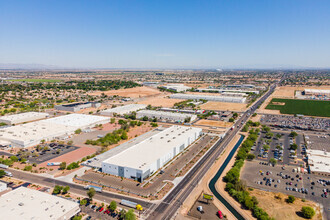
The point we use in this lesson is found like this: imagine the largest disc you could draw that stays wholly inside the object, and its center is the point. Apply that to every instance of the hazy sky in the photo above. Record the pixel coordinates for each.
(166, 33)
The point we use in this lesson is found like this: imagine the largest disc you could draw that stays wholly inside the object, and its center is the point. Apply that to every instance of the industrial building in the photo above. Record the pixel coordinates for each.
(227, 91)
(143, 159)
(122, 110)
(318, 162)
(215, 98)
(81, 121)
(25, 203)
(31, 134)
(176, 87)
(165, 115)
(182, 110)
(23, 117)
(74, 107)
(3, 186)
(317, 92)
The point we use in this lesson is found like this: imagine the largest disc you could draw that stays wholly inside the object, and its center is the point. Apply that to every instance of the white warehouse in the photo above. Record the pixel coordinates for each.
(30, 134)
(165, 115)
(122, 110)
(177, 87)
(143, 159)
(23, 117)
(215, 98)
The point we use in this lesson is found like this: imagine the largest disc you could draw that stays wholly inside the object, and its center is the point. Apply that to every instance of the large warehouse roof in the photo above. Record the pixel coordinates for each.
(145, 153)
(166, 115)
(125, 109)
(24, 203)
(23, 117)
(78, 120)
(216, 98)
(319, 161)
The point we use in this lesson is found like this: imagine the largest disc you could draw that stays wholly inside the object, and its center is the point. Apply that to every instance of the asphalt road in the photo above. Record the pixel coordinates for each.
(169, 206)
(74, 188)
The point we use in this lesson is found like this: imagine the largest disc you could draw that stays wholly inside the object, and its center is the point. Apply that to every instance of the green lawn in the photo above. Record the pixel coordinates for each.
(304, 107)
(36, 80)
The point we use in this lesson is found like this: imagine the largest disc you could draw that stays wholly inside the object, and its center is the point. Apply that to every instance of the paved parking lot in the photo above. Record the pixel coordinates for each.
(54, 150)
(252, 175)
(292, 122)
(209, 210)
(284, 141)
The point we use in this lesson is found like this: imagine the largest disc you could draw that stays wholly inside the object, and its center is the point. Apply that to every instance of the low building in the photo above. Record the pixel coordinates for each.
(74, 107)
(122, 110)
(25, 203)
(3, 186)
(23, 117)
(166, 115)
(318, 162)
(143, 159)
(317, 92)
(176, 87)
(31, 134)
(215, 98)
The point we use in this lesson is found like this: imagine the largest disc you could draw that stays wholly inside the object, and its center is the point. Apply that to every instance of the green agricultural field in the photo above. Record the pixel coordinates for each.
(36, 80)
(298, 106)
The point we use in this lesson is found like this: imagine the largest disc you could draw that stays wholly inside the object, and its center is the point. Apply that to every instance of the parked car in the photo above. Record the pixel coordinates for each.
(220, 214)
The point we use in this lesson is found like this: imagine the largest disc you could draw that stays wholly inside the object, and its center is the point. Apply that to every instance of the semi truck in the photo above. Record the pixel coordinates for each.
(4, 166)
(54, 164)
(128, 203)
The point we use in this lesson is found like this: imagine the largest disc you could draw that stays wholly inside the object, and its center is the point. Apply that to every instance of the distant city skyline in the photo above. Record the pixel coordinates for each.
(168, 34)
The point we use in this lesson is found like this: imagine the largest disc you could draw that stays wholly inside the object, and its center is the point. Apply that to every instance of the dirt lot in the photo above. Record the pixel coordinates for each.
(274, 204)
(214, 123)
(224, 106)
(160, 101)
(131, 92)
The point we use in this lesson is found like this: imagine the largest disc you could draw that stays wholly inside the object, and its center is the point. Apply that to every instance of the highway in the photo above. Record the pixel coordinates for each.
(170, 205)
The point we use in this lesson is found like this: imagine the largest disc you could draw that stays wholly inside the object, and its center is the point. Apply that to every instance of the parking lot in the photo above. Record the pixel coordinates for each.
(292, 122)
(279, 148)
(279, 179)
(209, 210)
(46, 152)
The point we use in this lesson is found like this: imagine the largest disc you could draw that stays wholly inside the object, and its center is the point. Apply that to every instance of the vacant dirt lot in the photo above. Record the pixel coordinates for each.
(274, 204)
(214, 123)
(224, 106)
(160, 101)
(136, 92)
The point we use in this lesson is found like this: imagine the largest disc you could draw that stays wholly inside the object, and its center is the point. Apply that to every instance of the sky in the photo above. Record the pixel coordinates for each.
(166, 33)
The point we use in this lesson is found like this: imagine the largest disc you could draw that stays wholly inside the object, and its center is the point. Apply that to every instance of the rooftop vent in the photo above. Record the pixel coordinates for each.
(21, 204)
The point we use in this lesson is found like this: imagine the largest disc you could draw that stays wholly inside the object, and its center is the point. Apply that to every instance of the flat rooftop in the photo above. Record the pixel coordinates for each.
(77, 120)
(124, 108)
(145, 153)
(166, 113)
(24, 203)
(319, 160)
(30, 132)
(25, 115)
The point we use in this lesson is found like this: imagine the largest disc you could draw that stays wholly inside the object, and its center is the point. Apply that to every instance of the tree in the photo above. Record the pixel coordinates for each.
(250, 156)
(293, 134)
(83, 202)
(245, 128)
(112, 120)
(290, 199)
(278, 136)
(124, 135)
(113, 206)
(266, 147)
(308, 212)
(91, 193)
(272, 161)
(78, 131)
(269, 135)
(63, 165)
(266, 129)
(14, 158)
(294, 146)
(130, 215)
(231, 120)
(57, 189)
(70, 142)
(145, 118)
(65, 189)
(77, 217)
(2, 173)
(122, 214)
(27, 168)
